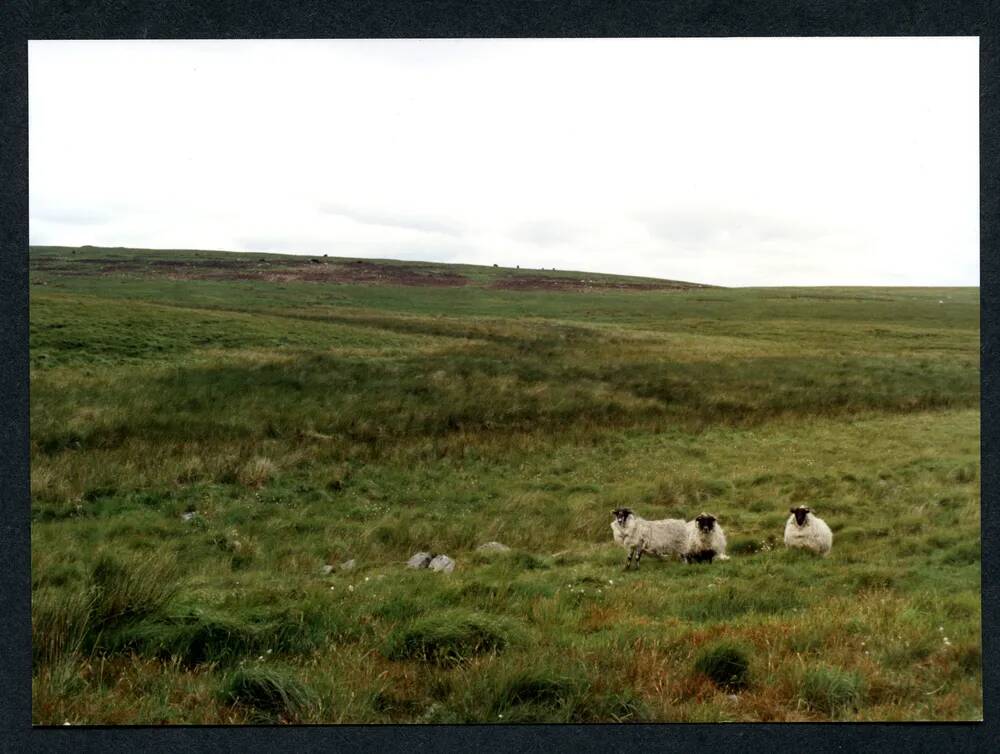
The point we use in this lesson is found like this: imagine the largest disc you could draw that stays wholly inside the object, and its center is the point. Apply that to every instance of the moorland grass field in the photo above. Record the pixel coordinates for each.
(310, 411)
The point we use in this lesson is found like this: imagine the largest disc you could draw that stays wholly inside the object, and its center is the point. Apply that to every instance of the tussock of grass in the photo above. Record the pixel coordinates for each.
(272, 694)
(832, 691)
(525, 695)
(121, 593)
(193, 636)
(59, 624)
(256, 472)
(543, 689)
(726, 663)
(450, 636)
(129, 590)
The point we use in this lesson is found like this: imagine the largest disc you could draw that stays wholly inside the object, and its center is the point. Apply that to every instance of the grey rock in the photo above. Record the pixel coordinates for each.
(419, 560)
(189, 516)
(442, 564)
(348, 565)
(493, 547)
(326, 570)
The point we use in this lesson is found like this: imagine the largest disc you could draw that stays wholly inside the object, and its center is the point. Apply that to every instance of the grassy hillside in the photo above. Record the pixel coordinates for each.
(310, 413)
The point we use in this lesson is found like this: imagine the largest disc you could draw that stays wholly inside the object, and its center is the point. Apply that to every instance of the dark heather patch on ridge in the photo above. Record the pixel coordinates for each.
(585, 283)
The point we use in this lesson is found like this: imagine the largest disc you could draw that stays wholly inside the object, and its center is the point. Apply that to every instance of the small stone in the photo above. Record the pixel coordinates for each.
(326, 570)
(733, 698)
(348, 565)
(189, 516)
(419, 560)
(442, 564)
(493, 547)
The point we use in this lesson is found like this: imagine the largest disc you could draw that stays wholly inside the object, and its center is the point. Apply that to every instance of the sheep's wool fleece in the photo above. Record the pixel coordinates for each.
(813, 535)
(661, 538)
(618, 533)
(700, 541)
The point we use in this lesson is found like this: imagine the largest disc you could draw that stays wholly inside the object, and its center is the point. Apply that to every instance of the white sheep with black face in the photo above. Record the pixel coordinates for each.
(664, 538)
(804, 530)
(705, 540)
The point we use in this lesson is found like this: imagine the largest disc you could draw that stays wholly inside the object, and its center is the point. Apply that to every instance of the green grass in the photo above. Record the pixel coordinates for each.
(270, 694)
(832, 691)
(726, 664)
(308, 423)
(450, 636)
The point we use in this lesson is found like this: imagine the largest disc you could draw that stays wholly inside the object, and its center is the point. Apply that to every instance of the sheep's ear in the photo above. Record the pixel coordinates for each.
(791, 510)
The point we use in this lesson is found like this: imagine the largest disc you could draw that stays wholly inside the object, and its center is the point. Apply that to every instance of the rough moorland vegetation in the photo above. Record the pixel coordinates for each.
(209, 430)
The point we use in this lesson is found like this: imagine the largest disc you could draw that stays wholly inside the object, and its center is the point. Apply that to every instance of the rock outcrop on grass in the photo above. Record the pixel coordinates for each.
(419, 560)
(437, 563)
(492, 547)
(442, 564)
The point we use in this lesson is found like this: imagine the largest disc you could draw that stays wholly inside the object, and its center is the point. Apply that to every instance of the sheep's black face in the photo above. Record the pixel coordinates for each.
(800, 514)
(621, 515)
(705, 522)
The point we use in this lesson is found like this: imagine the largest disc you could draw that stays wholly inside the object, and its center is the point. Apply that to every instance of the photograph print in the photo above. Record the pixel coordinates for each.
(505, 381)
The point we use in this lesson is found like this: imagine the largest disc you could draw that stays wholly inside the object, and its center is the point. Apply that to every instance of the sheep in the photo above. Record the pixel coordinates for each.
(804, 530)
(637, 535)
(705, 540)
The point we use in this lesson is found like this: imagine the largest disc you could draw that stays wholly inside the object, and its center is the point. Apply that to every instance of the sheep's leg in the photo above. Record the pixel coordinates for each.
(628, 562)
(638, 557)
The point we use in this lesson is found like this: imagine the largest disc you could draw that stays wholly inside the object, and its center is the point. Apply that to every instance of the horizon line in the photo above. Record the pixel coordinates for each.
(502, 267)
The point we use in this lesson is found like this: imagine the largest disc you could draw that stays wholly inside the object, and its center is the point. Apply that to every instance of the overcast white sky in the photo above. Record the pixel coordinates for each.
(726, 161)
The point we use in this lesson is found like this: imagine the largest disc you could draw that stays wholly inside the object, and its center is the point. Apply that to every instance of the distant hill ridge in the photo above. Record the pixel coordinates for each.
(194, 264)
